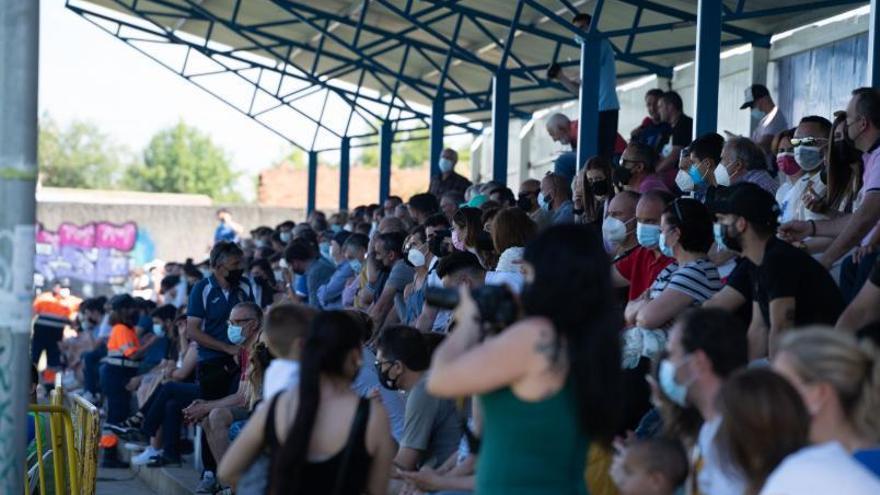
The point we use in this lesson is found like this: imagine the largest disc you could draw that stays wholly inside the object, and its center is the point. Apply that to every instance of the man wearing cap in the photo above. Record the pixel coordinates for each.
(790, 287)
(448, 180)
(770, 120)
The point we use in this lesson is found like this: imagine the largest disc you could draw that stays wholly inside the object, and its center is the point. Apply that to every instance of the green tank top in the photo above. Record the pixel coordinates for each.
(531, 448)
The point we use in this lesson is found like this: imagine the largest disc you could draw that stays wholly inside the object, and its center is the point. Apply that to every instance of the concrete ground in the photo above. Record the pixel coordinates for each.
(116, 481)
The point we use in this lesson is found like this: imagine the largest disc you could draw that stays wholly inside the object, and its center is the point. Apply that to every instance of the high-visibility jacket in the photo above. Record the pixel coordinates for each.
(49, 304)
(123, 342)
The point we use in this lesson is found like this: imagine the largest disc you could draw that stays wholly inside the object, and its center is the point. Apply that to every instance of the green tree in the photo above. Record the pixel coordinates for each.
(78, 156)
(407, 154)
(296, 158)
(183, 159)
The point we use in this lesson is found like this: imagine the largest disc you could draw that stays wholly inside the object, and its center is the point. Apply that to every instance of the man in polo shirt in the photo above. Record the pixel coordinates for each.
(639, 269)
(791, 289)
(555, 197)
(858, 228)
(770, 120)
(448, 181)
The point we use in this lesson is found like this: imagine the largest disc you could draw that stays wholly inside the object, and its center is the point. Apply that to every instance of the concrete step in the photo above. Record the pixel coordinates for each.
(165, 480)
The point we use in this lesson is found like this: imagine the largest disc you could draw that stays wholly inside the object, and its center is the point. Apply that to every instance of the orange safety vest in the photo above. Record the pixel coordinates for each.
(63, 307)
(123, 341)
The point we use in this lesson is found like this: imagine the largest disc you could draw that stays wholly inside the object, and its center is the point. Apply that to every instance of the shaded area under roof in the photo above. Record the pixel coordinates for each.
(390, 59)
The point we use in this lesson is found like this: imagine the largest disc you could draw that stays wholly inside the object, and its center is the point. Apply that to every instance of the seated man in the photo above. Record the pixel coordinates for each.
(389, 254)
(432, 428)
(556, 198)
(307, 262)
(636, 171)
(215, 416)
(641, 267)
(330, 294)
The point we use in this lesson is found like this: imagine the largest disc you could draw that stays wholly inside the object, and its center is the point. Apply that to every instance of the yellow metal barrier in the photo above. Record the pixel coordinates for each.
(73, 434)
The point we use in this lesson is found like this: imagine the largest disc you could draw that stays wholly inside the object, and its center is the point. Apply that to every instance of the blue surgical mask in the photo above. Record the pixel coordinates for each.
(355, 265)
(676, 392)
(757, 114)
(445, 165)
(698, 178)
(285, 237)
(235, 334)
(664, 248)
(543, 201)
(808, 158)
(325, 249)
(648, 235)
(158, 329)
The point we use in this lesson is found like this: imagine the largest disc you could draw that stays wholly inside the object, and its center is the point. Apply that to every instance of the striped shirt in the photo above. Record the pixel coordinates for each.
(697, 279)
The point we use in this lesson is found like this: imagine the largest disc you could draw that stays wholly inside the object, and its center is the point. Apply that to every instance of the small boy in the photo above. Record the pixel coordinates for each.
(285, 328)
(654, 466)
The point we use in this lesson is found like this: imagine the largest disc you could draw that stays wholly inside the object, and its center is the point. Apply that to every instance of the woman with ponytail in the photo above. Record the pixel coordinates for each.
(321, 437)
(549, 384)
(839, 381)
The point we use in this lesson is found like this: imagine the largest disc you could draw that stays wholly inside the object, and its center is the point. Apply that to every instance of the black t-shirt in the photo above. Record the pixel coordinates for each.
(787, 271)
(740, 279)
(682, 132)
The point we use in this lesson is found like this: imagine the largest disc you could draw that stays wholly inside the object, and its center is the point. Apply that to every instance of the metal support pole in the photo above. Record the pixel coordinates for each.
(313, 182)
(874, 45)
(588, 105)
(386, 138)
(707, 68)
(344, 171)
(19, 44)
(500, 124)
(438, 115)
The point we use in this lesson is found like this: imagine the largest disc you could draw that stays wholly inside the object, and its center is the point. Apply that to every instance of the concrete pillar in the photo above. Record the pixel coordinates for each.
(19, 44)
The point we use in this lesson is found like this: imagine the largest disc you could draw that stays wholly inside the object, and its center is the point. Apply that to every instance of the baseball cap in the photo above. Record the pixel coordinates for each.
(749, 201)
(754, 92)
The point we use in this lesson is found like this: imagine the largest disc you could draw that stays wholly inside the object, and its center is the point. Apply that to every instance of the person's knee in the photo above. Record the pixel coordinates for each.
(219, 419)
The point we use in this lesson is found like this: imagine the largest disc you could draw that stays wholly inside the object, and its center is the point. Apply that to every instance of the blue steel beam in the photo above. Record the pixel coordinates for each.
(805, 6)
(482, 27)
(344, 167)
(500, 125)
(508, 44)
(438, 115)
(386, 137)
(588, 104)
(312, 182)
(707, 67)
(874, 45)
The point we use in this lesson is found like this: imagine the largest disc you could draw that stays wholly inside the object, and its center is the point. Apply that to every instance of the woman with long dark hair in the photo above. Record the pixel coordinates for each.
(322, 438)
(548, 384)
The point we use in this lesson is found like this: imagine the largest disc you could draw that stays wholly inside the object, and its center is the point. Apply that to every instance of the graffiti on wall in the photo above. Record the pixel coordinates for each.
(96, 253)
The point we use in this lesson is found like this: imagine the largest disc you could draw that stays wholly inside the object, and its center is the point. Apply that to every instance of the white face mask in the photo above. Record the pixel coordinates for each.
(722, 178)
(613, 230)
(415, 257)
(684, 181)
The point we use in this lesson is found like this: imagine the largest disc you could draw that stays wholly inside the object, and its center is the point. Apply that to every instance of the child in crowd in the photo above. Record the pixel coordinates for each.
(655, 466)
(284, 329)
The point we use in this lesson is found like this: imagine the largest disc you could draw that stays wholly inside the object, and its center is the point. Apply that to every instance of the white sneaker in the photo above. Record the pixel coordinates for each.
(145, 456)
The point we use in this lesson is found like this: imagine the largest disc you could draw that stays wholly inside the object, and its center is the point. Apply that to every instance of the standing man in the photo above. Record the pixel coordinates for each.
(609, 106)
(652, 130)
(671, 110)
(228, 230)
(770, 120)
(448, 180)
(53, 311)
(210, 304)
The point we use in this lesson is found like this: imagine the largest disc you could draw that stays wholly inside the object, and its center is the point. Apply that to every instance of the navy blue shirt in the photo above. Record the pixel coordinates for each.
(212, 304)
(224, 232)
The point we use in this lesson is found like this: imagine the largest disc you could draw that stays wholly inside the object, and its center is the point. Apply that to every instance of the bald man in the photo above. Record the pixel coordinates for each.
(619, 225)
(642, 265)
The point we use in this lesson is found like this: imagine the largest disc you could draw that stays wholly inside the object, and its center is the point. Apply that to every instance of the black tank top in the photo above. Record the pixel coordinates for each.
(343, 474)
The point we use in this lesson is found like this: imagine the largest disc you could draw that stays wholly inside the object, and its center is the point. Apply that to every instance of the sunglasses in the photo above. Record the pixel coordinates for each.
(808, 141)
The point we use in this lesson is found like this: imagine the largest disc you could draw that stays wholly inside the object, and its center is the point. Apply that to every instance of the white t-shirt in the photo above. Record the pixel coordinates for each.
(824, 468)
(714, 478)
(282, 374)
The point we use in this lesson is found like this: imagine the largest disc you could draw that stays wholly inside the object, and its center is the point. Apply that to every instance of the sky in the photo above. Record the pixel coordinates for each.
(87, 74)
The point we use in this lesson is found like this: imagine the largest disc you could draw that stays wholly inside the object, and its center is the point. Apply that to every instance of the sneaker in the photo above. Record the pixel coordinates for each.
(160, 461)
(134, 422)
(145, 456)
(208, 484)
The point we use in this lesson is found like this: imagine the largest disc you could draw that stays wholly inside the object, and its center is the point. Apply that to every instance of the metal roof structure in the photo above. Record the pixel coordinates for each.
(394, 59)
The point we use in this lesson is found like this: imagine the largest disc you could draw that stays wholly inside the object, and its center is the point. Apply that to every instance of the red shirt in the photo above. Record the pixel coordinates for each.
(641, 268)
(619, 142)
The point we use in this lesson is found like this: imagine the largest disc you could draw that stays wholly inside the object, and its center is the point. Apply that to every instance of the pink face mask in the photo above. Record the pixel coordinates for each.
(457, 243)
(787, 164)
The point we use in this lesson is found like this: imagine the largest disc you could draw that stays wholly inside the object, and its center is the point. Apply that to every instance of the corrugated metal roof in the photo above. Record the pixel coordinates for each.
(351, 44)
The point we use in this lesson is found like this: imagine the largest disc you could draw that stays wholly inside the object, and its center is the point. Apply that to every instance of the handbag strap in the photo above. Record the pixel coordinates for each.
(358, 429)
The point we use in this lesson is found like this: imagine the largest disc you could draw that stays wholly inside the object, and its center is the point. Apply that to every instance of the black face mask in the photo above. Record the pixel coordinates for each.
(525, 203)
(234, 276)
(622, 175)
(600, 187)
(385, 378)
(437, 244)
(734, 243)
(261, 281)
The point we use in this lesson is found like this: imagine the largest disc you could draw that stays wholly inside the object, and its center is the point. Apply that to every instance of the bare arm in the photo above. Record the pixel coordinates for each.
(195, 332)
(426, 320)
(757, 334)
(407, 459)
(244, 448)
(860, 223)
(671, 161)
(864, 309)
(728, 299)
(781, 319)
(382, 307)
(381, 447)
(190, 359)
(663, 309)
